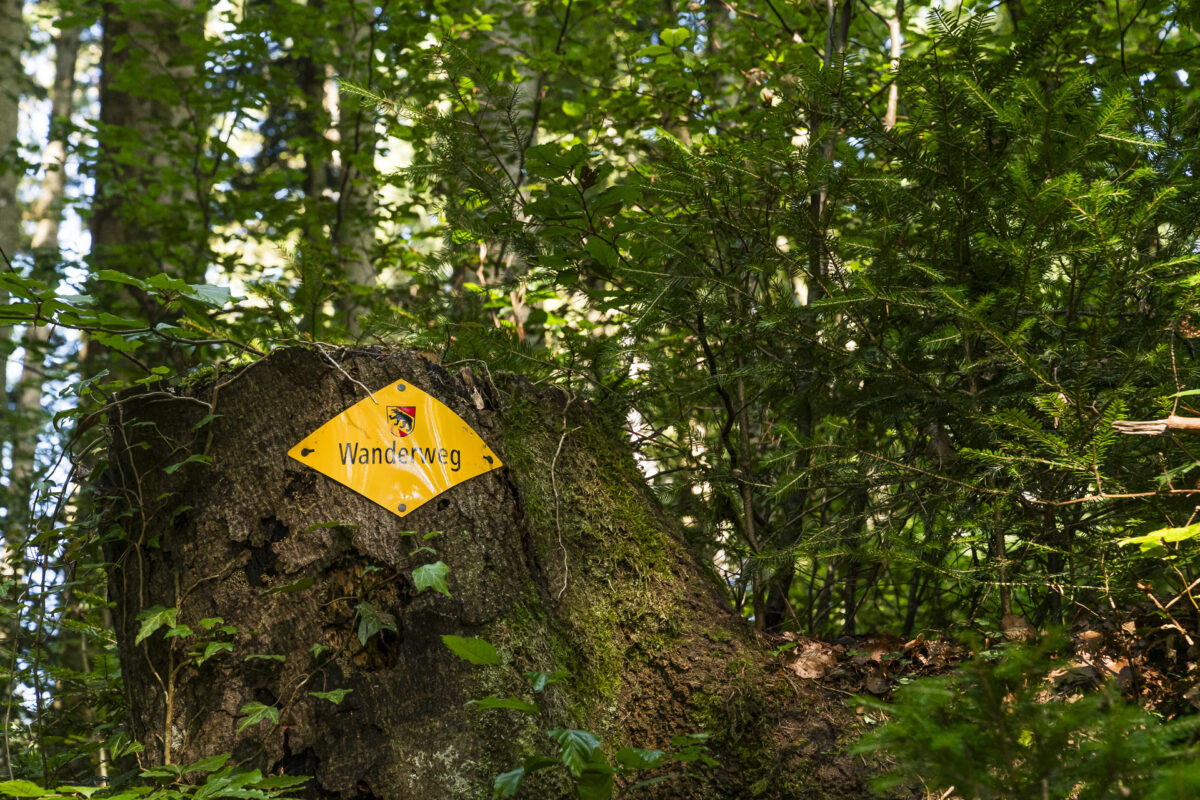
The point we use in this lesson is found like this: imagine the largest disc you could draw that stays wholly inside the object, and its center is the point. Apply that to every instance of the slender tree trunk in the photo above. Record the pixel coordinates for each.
(12, 37)
(354, 231)
(47, 212)
(144, 220)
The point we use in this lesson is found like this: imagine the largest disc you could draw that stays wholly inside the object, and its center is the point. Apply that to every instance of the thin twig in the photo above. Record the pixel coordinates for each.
(554, 487)
(330, 359)
(1145, 587)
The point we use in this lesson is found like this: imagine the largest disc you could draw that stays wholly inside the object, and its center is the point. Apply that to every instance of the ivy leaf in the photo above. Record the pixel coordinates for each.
(432, 576)
(154, 618)
(371, 622)
(335, 696)
(477, 651)
(178, 631)
(294, 586)
(212, 648)
(257, 712)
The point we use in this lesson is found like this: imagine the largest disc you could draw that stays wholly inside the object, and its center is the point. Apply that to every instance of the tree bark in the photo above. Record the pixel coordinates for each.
(145, 209)
(12, 37)
(561, 559)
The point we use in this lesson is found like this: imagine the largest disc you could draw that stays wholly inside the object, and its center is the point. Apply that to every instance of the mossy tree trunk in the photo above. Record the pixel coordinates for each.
(561, 559)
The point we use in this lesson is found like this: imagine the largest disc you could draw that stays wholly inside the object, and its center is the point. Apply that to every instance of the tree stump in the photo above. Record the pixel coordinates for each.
(266, 570)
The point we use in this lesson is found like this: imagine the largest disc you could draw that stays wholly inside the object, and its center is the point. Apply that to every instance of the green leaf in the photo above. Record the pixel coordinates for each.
(22, 788)
(573, 109)
(113, 276)
(178, 631)
(117, 342)
(257, 712)
(674, 37)
(152, 619)
(194, 458)
(477, 651)
(371, 622)
(505, 702)
(274, 782)
(212, 648)
(595, 784)
(207, 418)
(164, 282)
(335, 696)
(1160, 537)
(538, 762)
(688, 739)
(169, 771)
(602, 251)
(540, 680)
(210, 764)
(507, 784)
(294, 586)
(637, 758)
(576, 749)
(653, 50)
(432, 576)
(215, 296)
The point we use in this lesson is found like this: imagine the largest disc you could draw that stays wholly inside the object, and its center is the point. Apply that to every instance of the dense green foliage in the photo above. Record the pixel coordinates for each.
(868, 356)
(1002, 729)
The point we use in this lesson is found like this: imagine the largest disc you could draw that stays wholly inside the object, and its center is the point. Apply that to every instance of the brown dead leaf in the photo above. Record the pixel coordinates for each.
(813, 660)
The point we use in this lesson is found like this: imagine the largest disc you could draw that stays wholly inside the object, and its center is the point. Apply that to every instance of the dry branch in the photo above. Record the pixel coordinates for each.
(1157, 427)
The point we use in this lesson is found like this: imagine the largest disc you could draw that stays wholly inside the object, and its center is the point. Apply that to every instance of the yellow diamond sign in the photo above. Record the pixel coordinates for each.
(399, 448)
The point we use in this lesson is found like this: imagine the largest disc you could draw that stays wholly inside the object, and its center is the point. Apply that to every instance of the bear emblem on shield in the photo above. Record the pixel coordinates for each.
(402, 420)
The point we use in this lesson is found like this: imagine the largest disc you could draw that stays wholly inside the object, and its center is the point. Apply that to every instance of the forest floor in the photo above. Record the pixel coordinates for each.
(1152, 656)
(1149, 653)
